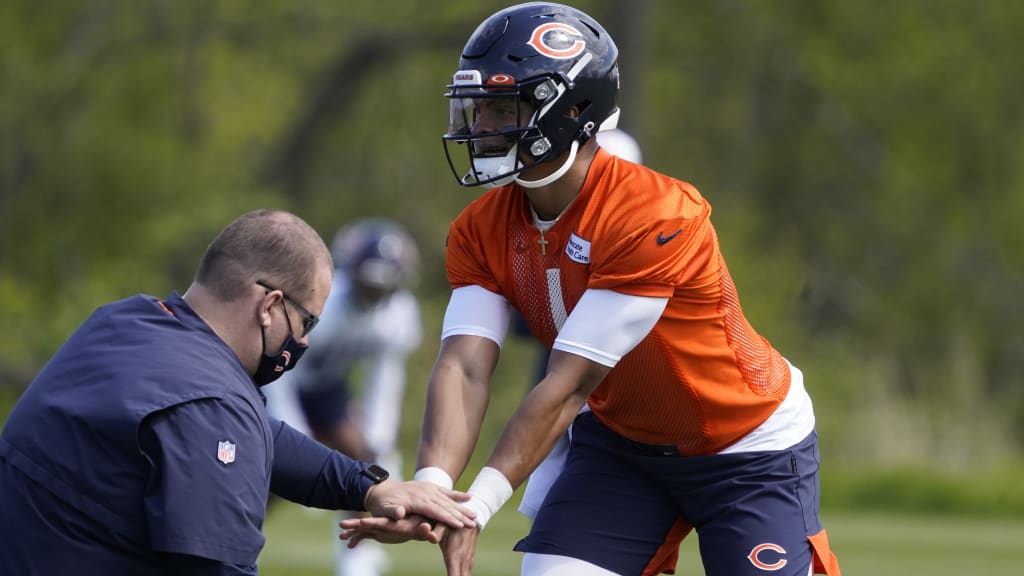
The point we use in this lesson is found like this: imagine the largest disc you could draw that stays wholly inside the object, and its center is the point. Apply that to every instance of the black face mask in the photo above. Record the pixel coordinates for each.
(272, 367)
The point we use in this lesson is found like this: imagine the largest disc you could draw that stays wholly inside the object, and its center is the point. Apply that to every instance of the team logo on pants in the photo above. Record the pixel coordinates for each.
(226, 451)
(760, 560)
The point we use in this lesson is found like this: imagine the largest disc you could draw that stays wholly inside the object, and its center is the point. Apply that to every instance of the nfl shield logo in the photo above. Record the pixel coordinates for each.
(226, 452)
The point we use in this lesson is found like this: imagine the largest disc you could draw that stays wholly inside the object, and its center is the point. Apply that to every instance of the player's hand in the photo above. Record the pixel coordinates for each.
(396, 500)
(458, 547)
(388, 531)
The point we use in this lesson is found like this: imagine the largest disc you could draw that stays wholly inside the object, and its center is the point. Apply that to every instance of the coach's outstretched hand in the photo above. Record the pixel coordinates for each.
(398, 500)
(388, 531)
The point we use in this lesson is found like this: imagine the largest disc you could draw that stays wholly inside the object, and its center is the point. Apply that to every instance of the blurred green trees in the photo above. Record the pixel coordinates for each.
(865, 161)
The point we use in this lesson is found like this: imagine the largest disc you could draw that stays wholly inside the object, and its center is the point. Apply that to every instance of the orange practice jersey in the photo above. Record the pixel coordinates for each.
(702, 378)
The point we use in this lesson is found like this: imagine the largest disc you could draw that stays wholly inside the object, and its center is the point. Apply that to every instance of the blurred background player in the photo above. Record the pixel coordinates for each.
(347, 393)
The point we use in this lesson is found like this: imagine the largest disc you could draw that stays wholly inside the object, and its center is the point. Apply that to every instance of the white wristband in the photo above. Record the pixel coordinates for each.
(490, 490)
(434, 475)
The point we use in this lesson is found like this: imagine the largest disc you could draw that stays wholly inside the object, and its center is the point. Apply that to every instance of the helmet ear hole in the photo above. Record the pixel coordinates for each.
(578, 110)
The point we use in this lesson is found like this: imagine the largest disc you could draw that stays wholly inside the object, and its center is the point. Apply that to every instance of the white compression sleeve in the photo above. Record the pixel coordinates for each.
(475, 311)
(605, 325)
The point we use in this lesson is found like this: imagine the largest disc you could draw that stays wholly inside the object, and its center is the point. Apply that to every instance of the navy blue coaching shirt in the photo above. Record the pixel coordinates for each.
(143, 447)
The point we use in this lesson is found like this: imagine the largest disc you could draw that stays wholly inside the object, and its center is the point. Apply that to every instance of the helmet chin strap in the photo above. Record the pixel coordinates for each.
(573, 148)
(504, 164)
(487, 168)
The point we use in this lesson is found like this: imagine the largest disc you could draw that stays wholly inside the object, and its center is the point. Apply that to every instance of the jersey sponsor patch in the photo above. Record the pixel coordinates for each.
(578, 249)
(226, 451)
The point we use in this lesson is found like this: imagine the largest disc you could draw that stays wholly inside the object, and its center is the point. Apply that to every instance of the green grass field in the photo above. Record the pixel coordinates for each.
(299, 543)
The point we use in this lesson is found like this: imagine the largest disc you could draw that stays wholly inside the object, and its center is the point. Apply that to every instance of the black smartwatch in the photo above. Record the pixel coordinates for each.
(375, 473)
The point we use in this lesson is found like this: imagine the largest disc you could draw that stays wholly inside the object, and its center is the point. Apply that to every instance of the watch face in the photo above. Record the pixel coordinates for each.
(376, 473)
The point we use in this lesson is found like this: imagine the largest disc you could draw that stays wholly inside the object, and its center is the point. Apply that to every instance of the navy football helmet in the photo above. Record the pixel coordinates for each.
(377, 253)
(553, 73)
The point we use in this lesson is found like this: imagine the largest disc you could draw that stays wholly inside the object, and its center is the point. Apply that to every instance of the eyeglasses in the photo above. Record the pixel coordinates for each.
(309, 320)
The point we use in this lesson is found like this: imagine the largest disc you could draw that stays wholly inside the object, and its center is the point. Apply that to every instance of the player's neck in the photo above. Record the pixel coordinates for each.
(550, 202)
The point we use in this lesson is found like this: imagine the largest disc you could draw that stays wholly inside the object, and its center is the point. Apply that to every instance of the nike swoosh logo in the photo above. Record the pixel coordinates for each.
(663, 239)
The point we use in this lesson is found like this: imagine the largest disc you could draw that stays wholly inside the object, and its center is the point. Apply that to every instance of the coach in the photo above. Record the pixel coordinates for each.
(143, 446)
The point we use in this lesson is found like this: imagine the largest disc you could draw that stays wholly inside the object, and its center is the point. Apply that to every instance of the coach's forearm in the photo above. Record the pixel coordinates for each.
(309, 473)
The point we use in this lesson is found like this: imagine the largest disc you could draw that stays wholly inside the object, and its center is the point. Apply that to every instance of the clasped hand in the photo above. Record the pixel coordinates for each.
(403, 511)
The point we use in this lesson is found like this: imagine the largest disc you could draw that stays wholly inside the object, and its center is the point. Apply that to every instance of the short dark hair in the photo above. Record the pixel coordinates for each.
(274, 246)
